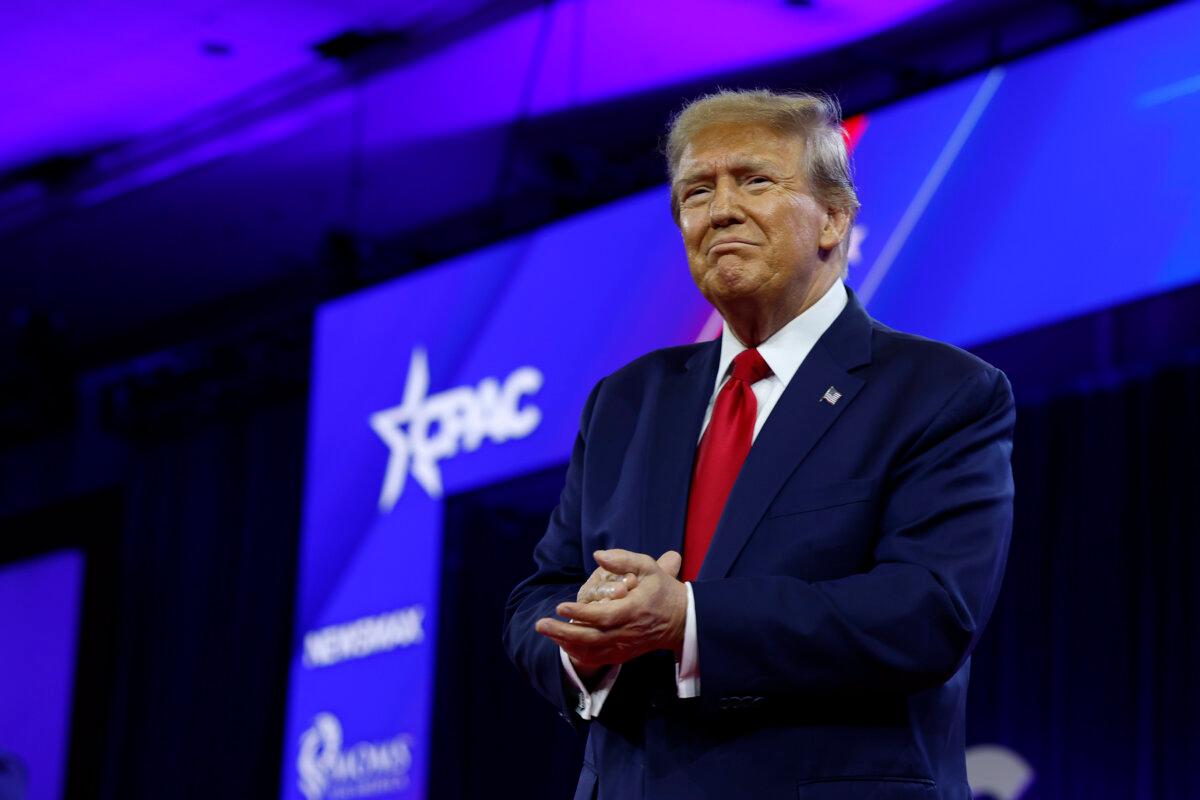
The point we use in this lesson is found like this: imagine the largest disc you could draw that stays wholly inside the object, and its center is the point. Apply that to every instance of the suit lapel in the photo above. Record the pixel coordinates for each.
(796, 424)
(682, 400)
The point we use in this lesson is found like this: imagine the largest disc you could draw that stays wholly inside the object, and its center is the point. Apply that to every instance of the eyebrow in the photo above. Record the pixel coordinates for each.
(740, 165)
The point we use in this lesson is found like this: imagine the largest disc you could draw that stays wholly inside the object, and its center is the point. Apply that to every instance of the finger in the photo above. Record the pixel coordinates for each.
(599, 594)
(587, 592)
(610, 592)
(618, 585)
(616, 589)
(566, 634)
(597, 615)
(625, 561)
(670, 562)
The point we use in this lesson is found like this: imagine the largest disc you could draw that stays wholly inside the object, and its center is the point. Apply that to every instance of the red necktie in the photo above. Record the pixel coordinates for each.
(723, 448)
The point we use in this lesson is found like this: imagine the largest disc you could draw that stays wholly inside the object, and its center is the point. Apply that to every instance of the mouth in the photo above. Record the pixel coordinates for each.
(729, 244)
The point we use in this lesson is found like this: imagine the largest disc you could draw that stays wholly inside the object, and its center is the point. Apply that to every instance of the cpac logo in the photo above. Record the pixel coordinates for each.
(423, 430)
(365, 770)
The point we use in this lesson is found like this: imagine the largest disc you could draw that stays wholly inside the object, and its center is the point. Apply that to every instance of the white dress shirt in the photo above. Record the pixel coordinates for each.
(784, 352)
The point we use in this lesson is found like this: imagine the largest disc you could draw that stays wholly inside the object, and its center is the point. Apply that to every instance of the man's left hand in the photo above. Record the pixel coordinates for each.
(650, 617)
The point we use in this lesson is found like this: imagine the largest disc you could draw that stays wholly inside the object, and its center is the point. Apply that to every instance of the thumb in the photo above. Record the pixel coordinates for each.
(623, 562)
(670, 562)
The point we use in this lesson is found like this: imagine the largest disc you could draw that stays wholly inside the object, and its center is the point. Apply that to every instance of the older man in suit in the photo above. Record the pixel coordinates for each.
(774, 552)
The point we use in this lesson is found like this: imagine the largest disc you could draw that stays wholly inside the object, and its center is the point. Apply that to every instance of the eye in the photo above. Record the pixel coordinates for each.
(695, 191)
(758, 180)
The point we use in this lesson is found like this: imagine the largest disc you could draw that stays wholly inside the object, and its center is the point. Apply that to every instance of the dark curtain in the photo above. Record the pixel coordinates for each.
(1090, 666)
(207, 563)
(1088, 670)
(493, 735)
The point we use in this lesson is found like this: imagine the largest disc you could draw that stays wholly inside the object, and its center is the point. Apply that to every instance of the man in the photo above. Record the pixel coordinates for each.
(775, 551)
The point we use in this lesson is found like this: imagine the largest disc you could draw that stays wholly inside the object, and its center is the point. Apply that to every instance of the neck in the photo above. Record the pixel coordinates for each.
(753, 321)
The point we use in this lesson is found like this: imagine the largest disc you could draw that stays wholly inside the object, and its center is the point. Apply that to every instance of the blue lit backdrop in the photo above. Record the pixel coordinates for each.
(1001, 203)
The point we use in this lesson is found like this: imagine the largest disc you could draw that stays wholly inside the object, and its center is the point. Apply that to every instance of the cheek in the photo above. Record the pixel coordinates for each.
(693, 236)
(799, 230)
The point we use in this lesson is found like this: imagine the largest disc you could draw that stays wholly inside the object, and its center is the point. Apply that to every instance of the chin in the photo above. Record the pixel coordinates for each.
(735, 280)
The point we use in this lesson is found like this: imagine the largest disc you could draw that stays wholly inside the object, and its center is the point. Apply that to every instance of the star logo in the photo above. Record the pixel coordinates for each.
(426, 429)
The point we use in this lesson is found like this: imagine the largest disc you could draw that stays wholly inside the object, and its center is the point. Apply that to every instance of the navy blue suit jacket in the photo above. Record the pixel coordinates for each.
(850, 576)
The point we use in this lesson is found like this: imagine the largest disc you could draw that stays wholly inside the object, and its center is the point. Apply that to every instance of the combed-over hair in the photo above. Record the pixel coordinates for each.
(815, 119)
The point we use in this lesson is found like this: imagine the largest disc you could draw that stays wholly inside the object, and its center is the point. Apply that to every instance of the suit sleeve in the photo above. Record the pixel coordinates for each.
(912, 619)
(560, 572)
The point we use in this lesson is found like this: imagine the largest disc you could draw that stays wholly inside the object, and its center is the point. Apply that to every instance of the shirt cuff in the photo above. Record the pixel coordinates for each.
(589, 703)
(687, 670)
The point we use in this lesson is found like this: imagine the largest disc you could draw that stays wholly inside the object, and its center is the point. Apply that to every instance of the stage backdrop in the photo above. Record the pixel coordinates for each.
(39, 618)
(1041, 190)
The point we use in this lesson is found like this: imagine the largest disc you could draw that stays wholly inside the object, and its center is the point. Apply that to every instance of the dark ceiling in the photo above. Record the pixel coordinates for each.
(207, 223)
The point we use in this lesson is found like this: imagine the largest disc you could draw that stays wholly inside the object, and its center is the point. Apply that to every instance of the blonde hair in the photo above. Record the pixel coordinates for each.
(815, 119)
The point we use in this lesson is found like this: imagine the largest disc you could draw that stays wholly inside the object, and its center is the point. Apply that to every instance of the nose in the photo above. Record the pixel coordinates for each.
(725, 208)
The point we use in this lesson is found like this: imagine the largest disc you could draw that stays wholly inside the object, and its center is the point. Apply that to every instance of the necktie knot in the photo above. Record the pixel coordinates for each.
(749, 366)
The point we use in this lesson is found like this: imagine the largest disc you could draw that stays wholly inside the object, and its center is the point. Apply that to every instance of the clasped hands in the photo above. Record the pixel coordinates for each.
(630, 605)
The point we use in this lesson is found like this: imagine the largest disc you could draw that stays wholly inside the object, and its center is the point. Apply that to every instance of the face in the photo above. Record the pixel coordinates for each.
(754, 234)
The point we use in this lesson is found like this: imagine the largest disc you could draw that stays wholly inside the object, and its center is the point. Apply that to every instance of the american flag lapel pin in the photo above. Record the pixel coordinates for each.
(831, 396)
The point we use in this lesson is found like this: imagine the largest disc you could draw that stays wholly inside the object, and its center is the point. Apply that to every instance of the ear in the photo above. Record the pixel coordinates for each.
(835, 229)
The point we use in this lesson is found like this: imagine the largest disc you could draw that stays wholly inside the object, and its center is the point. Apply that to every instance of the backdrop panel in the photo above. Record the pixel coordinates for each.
(987, 207)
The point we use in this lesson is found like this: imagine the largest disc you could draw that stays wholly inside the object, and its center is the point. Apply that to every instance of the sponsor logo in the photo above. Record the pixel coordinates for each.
(997, 772)
(366, 769)
(364, 637)
(425, 429)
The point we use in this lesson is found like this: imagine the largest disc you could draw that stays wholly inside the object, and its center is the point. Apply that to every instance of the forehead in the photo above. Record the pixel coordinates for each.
(729, 144)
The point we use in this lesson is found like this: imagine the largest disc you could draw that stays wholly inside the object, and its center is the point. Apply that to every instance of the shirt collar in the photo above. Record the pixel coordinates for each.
(787, 348)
